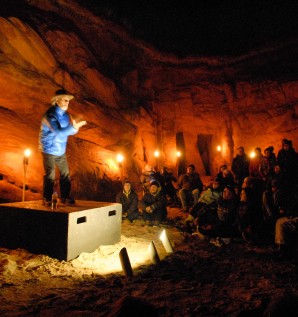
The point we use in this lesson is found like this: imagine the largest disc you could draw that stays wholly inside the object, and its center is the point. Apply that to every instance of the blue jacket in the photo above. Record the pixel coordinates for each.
(54, 131)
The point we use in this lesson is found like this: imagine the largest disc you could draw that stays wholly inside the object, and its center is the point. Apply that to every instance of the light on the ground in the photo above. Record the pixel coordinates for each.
(125, 262)
(166, 242)
(153, 253)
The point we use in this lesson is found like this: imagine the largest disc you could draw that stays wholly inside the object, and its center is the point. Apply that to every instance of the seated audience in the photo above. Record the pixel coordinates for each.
(219, 176)
(168, 188)
(278, 176)
(208, 199)
(286, 236)
(286, 229)
(226, 213)
(246, 216)
(227, 179)
(191, 186)
(146, 177)
(129, 200)
(154, 204)
(274, 201)
(248, 183)
(219, 222)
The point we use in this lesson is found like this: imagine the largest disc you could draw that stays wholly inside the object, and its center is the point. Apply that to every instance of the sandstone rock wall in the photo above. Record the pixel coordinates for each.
(135, 99)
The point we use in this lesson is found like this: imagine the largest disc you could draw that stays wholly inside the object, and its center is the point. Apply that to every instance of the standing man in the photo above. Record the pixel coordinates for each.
(56, 126)
(240, 166)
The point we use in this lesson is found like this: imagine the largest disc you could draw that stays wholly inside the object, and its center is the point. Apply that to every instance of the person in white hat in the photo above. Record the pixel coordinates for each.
(56, 126)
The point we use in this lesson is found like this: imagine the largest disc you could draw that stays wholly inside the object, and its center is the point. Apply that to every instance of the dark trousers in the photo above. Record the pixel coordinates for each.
(49, 163)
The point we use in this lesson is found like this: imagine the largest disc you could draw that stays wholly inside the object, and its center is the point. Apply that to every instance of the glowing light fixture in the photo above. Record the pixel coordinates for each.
(218, 148)
(166, 242)
(27, 153)
(156, 153)
(120, 158)
(178, 154)
(252, 154)
(153, 253)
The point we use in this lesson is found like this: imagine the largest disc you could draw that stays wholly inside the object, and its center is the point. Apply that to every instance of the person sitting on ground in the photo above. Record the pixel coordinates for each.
(208, 199)
(227, 179)
(226, 213)
(146, 177)
(128, 198)
(278, 176)
(246, 216)
(248, 183)
(219, 222)
(191, 186)
(240, 166)
(274, 206)
(154, 204)
(286, 231)
(169, 189)
(219, 176)
(286, 236)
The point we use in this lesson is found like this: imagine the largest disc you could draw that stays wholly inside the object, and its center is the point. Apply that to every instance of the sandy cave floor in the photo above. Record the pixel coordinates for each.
(198, 279)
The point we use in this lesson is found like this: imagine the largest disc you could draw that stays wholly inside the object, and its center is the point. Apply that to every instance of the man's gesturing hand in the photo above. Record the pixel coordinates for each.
(78, 125)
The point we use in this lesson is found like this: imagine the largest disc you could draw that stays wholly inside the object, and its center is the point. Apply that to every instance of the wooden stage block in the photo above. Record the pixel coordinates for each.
(62, 233)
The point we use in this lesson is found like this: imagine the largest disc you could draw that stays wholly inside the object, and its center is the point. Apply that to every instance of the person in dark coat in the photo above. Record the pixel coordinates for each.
(240, 166)
(220, 176)
(267, 165)
(168, 188)
(154, 204)
(128, 198)
(287, 159)
(274, 206)
(246, 215)
(191, 186)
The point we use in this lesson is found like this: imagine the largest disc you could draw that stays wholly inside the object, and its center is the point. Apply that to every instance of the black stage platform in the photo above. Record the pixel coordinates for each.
(63, 233)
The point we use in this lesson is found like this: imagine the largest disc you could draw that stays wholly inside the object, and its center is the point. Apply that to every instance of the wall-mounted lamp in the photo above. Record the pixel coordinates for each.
(27, 153)
(218, 148)
(156, 154)
(120, 159)
(252, 154)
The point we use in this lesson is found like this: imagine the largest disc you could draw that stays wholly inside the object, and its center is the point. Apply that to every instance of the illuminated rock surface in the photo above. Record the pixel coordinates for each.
(134, 98)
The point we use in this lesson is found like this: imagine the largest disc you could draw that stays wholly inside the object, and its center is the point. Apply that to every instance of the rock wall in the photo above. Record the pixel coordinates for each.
(135, 99)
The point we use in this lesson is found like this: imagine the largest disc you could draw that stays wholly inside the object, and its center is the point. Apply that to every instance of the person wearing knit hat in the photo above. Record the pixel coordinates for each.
(56, 127)
(128, 198)
(154, 204)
